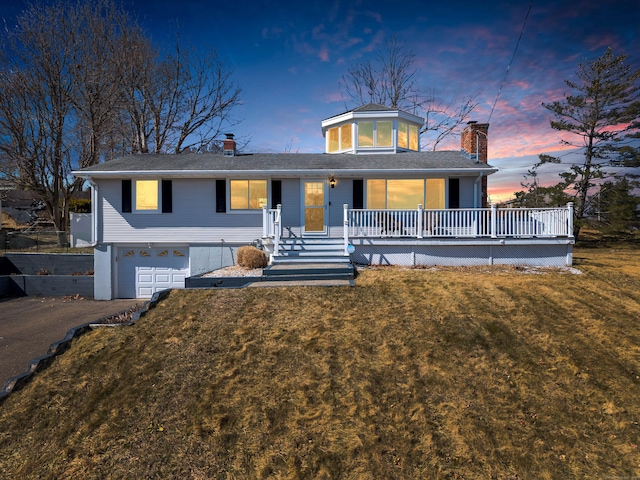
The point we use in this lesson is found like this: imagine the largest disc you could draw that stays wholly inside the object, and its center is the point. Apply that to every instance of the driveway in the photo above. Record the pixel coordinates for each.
(28, 325)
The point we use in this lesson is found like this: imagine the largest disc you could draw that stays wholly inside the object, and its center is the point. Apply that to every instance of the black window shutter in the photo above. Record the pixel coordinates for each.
(454, 193)
(126, 196)
(167, 197)
(276, 193)
(358, 194)
(221, 196)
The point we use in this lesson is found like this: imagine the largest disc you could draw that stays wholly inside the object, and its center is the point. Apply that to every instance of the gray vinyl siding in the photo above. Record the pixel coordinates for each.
(338, 196)
(466, 192)
(291, 206)
(193, 220)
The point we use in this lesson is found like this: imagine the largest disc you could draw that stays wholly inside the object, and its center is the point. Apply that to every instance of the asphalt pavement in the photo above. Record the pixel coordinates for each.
(28, 325)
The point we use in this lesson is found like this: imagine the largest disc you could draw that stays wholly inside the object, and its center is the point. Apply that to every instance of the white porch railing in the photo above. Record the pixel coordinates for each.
(491, 222)
(272, 226)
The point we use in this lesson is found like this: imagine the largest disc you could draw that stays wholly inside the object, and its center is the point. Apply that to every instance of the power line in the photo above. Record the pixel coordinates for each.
(512, 57)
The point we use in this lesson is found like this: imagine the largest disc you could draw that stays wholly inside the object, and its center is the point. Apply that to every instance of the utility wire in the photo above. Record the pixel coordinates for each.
(512, 57)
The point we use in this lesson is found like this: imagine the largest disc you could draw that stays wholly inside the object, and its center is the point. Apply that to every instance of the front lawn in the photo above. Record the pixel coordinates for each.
(428, 373)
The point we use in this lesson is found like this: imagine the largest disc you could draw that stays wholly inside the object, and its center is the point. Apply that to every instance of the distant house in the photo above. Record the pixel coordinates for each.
(372, 197)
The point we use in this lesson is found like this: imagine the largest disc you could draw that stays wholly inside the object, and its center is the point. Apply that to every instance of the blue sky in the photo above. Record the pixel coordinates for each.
(288, 58)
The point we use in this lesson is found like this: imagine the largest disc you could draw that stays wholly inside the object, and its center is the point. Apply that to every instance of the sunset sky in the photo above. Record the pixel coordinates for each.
(288, 58)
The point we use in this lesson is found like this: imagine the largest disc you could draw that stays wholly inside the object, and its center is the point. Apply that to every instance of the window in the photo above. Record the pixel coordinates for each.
(146, 195)
(346, 141)
(403, 135)
(334, 134)
(365, 134)
(248, 194)
(340, 138)
(376, 194)
(375, 134)
(435, 193)
(413, 137)
(405, 194)
(384, 137)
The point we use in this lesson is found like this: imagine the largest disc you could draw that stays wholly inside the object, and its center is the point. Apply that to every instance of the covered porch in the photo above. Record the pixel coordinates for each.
(451, 237)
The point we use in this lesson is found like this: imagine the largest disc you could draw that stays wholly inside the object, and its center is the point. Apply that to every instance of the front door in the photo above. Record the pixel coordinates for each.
(315, 208)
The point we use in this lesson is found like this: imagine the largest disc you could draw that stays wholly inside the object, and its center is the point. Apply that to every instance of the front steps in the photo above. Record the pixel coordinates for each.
(303, 273)
(310, 261)
(311, 250)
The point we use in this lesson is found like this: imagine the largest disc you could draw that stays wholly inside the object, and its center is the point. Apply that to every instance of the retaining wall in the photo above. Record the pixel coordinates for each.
(53, 263)
(46, 274)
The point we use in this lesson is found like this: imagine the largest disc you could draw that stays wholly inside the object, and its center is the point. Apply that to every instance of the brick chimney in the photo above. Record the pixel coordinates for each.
(229, 146)
(473, 143)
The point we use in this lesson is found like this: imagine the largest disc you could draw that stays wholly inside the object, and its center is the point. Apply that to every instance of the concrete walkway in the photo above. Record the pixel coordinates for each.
(28, 325)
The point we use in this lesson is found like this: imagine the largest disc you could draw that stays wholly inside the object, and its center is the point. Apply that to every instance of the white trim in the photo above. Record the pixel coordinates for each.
(288, 173)
(370, 115)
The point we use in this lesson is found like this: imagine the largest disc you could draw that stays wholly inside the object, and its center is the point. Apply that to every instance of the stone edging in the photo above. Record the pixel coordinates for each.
(37, 364)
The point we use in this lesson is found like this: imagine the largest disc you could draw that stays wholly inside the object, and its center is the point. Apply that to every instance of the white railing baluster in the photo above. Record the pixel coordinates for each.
(265, 222)
(345, 228)
(277, 231)
(491, 222)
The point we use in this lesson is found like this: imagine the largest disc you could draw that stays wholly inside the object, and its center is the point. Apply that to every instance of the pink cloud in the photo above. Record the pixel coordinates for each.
(333, 97)
(323, 54)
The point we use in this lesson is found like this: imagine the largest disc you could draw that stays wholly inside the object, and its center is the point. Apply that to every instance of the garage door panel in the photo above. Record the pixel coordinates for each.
(178, 277)
(144, 271)
(145, 292)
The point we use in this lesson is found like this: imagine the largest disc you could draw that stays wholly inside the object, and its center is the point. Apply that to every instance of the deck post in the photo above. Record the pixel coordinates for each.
(570, 219)
(494, 220)
(265, 222)
(419, 222)
(345, 231)
(276, 228)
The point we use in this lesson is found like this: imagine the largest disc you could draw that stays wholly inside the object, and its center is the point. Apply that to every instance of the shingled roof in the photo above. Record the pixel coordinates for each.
(287, 164)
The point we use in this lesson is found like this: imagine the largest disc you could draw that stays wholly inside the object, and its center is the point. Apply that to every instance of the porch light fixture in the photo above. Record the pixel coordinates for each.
(332, 182)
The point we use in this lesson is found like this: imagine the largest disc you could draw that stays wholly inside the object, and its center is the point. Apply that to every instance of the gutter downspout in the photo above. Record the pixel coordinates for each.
(476, 188)
(94, 212)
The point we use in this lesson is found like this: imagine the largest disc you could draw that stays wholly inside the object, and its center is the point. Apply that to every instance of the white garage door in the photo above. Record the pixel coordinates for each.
(144, 271)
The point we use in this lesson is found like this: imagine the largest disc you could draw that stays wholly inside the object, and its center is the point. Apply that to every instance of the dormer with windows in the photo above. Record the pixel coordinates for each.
(372, 128)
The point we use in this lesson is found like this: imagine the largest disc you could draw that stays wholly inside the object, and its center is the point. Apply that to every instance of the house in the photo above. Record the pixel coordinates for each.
(373, 196)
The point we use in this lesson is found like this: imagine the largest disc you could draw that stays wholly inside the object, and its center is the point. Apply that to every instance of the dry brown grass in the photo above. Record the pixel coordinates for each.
(450, 373)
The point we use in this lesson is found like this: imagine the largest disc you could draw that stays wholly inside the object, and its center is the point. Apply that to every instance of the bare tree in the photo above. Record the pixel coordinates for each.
(59, 96)
(390, 80)
(444, 120)
(180, 103)
(80, 83)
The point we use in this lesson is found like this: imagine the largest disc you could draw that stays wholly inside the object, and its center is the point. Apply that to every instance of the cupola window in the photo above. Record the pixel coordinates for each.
(365, 134)
(346, 141)
(340, 138)
(384, 135)
(372, 128)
